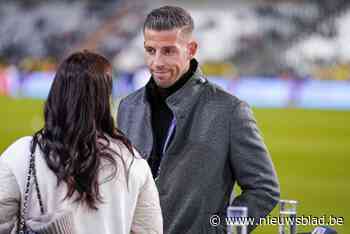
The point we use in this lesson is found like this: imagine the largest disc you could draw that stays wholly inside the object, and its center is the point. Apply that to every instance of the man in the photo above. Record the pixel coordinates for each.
(198, 139)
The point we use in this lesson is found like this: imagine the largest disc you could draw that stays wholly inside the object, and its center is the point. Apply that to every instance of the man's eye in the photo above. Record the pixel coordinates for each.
(150, 50)
(168, 51)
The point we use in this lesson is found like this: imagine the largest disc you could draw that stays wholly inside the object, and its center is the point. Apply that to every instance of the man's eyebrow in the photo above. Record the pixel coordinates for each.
(169, 47)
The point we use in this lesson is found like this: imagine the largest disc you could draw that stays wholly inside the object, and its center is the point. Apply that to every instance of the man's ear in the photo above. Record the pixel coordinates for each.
(192, 48)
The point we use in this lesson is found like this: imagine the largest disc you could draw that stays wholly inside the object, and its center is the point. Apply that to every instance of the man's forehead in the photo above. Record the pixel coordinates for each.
(163, 36)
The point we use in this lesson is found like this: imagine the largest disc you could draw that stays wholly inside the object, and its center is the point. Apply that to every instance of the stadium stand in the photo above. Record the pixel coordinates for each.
(257, 38)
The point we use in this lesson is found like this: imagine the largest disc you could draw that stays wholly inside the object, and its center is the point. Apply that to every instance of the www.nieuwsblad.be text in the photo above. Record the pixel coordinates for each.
(331, 220)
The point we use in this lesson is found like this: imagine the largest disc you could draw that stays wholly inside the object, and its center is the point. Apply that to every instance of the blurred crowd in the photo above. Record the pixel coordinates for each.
(284, 39)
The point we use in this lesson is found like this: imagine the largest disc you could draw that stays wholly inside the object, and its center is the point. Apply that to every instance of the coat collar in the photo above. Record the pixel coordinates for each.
(183, 99)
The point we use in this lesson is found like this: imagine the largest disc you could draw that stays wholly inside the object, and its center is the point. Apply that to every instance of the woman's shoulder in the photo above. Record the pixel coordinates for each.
(138, 166)
(14, 158)
(129, 156)
(17, 149)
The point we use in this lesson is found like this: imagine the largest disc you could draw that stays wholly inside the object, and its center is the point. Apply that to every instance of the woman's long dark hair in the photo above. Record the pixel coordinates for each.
(77, 122)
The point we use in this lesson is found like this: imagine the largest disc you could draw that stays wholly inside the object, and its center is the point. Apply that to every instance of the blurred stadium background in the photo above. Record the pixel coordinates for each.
(289, 59)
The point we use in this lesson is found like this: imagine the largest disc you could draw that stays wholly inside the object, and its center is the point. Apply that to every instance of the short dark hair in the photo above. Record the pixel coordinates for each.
(168, 18)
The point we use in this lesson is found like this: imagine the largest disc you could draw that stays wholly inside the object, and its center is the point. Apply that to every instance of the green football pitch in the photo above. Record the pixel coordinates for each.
(310, 150)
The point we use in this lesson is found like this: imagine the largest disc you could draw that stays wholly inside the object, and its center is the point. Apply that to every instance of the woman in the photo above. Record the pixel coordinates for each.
(87, 171)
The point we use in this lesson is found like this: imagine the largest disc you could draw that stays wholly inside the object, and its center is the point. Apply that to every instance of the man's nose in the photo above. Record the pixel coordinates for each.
(158, 60)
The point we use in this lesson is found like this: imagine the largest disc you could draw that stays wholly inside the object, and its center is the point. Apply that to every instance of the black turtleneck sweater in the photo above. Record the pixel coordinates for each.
(161, 115)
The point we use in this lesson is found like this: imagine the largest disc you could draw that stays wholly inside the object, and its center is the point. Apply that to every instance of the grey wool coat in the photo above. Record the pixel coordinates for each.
(216, 144)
